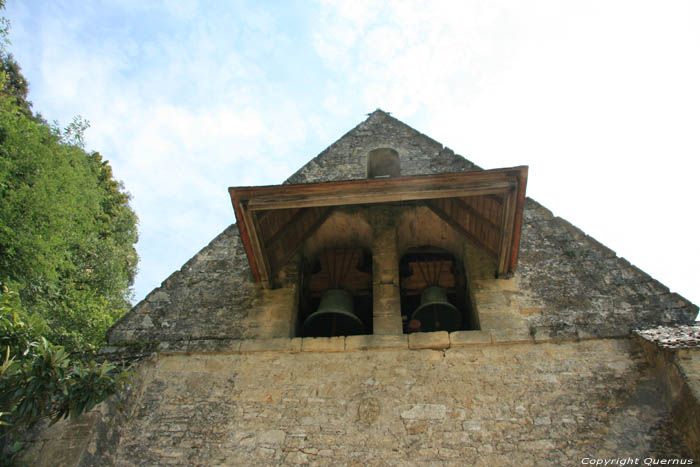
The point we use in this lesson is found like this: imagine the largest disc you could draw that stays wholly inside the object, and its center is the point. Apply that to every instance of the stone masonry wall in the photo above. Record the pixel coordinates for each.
(675, 352)
(566, 285)
(517, 404)
(582, 288)
(209, 297)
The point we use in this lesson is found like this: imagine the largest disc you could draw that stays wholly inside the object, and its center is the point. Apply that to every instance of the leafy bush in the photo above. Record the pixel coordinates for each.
(39, 380)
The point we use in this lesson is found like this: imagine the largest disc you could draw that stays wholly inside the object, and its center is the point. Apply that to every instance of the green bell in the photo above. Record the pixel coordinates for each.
(334, 317)
(435, 313)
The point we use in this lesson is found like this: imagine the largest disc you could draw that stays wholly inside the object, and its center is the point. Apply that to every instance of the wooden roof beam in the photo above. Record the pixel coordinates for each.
(250, 202)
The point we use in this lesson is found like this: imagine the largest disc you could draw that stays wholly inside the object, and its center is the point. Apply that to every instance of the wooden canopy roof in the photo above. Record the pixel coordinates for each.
(486, 206)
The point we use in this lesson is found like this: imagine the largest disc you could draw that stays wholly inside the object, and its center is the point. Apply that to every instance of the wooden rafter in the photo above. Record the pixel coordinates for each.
(286, 241)
(461, 228)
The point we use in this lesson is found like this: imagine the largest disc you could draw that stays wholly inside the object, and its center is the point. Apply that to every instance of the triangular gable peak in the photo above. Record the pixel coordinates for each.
(347, 158)
(382, 160)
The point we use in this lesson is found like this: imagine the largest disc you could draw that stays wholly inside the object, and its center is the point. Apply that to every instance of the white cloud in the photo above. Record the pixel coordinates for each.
(416, 55)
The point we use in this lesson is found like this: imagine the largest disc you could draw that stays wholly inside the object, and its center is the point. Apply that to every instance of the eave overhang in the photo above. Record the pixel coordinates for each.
(486, 206)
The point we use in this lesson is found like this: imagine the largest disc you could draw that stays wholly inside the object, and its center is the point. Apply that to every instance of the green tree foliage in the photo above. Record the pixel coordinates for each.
(15, 84)
(67, 238)
(67, 233)
(39, 380)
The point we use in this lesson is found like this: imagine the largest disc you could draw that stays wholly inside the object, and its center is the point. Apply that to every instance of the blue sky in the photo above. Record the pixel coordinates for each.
(186, 98)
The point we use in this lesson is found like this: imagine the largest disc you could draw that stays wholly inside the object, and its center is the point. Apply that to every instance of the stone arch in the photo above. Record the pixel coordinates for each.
(421, 226)
(344, 227)
(337, 270)
(420, 232)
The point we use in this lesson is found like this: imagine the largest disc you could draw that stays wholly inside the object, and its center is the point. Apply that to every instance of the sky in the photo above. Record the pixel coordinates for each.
(601, 99)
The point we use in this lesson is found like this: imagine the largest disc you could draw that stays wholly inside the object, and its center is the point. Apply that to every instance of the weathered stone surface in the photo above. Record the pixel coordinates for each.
(678, 367)
(508, 336)
(424, 412)
(429, 340)
(544, 404)
(376, 342)
(214, 345)
(323, 344)
(677, 337)
(460, 338)
(582, 287)
(208, 298)
(281, 344)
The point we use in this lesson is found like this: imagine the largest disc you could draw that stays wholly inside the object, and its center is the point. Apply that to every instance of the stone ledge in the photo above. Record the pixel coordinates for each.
(588, 334)
(415, 341)
(376, 342)
(323, 344)
(511, 336)
(542, 334)
(464, 338)
(429, 340)
(200, 346)
(672, 337)
(168, 347)
(213, 346)
(280, 344)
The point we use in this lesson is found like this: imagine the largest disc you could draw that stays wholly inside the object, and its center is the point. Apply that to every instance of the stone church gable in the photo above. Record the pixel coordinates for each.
(544, 368)
(567, 284)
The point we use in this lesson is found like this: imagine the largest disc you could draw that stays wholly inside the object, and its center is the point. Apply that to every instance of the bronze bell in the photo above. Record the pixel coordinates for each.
(435, 313)
(334, 317)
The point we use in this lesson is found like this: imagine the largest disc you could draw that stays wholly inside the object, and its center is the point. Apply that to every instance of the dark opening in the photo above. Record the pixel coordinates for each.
(336, 294)
(383, 162)
(434, 293)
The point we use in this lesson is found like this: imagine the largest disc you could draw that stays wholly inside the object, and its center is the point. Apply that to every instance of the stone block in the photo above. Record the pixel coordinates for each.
(376, 342)
(170, 364)
(271, 437)
(387, 290)
(429, 340)
(463, 338)
(323, 344)
(280, 344)
(510, 335)
(424, 411)
(388, 325)
(501, 319)
(387, 307)
(214, 365)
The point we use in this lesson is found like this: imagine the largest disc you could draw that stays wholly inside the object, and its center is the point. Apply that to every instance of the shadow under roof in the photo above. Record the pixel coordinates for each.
(486, 206)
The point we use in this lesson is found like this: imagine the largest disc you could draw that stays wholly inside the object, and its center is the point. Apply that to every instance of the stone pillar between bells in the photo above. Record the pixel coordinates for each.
(385, 273)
